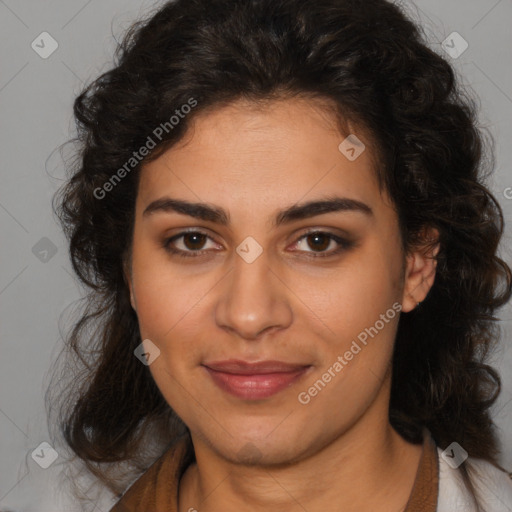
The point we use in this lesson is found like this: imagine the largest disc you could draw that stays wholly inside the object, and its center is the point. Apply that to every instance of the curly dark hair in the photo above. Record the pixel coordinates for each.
(370, 60)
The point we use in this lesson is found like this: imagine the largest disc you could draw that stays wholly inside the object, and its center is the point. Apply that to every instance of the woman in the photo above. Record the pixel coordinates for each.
(281, 213)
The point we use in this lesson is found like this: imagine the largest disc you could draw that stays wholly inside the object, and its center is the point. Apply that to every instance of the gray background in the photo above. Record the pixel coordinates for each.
(36, 98)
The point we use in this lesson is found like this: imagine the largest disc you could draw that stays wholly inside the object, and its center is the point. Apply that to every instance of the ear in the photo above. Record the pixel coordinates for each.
(127, 273)
(420, 269)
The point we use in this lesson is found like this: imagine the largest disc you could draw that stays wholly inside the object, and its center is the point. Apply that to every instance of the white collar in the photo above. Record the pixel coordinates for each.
(494, 488)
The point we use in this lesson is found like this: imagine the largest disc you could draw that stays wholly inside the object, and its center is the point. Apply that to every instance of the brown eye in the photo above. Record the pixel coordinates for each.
(192, 244)
(194, 241)
(320, 241)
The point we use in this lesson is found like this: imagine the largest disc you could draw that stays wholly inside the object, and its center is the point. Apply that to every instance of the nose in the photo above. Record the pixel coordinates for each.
(253, 300)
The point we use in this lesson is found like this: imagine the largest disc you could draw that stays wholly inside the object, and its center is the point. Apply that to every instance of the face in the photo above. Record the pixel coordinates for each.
(259, 274)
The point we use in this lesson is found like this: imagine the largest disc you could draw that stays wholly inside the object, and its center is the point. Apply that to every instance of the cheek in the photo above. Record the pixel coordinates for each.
(354, 295)
(171, 322)
(171, 313)
(163, 295)
(359, 309)
(155, 307)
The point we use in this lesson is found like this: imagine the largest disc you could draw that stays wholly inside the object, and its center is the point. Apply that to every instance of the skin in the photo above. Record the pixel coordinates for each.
(286, 305)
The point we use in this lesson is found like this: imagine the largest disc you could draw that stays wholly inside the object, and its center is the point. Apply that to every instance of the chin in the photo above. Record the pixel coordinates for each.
(261, 448)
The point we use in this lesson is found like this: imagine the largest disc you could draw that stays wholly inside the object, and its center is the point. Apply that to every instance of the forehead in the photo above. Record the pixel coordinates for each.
(263, 155)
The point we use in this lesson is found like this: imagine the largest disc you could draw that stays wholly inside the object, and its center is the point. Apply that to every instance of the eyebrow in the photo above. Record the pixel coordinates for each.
(292, 213)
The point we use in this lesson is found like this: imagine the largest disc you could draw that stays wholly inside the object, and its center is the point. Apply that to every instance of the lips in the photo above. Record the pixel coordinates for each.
(245, 368)
(254, 381)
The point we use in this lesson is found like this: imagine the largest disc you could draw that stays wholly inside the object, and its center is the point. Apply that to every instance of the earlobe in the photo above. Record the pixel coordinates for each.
(132, 296)
(421, 270)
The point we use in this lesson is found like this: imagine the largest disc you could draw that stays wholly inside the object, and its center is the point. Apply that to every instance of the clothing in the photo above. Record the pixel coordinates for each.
(494, 488)
(437, 487)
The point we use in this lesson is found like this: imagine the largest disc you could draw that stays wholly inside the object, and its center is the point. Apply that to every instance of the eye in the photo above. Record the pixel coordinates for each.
(321, 240)
(192, 244)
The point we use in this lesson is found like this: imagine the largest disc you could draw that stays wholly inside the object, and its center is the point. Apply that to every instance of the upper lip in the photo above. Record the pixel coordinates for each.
(238, 366)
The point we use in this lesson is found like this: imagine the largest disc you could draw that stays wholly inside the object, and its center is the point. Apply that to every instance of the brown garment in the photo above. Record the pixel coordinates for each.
(157, 489)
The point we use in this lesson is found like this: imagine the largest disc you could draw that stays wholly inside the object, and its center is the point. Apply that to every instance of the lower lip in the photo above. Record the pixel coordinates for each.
(255, 387)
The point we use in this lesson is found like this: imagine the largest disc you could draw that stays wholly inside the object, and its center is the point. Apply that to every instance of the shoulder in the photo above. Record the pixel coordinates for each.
(494, 487)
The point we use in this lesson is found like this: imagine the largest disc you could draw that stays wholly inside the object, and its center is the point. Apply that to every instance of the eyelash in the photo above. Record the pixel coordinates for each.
(343, 245)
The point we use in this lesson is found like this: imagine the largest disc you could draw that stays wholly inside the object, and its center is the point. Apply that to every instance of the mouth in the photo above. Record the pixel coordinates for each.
(254, 381)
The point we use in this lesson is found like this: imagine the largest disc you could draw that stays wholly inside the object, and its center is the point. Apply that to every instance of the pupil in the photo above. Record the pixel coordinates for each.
(320, 236)
(198, 239)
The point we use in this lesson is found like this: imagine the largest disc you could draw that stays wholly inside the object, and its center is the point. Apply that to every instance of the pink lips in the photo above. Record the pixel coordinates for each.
(254, 381)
